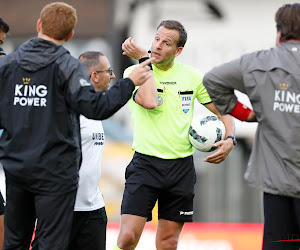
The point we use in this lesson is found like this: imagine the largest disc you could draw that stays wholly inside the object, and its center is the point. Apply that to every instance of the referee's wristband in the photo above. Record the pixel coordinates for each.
(144, 59)
(233, 139)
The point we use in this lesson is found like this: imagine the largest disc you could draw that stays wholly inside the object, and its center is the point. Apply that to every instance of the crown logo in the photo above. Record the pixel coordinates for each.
(283, 86)
(26, 80)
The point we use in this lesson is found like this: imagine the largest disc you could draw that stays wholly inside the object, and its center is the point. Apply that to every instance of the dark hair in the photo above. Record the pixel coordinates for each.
(90, 59)
(288, 22)
(3, 26)
(175, 25)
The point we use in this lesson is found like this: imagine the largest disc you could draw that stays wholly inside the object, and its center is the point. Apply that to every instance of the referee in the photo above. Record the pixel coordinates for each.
(162, 168)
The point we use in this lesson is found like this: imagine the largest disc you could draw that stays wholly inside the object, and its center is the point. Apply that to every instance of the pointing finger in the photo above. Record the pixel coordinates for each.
(148, 61)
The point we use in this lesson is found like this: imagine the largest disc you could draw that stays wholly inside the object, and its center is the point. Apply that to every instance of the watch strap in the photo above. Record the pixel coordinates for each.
(233, 139)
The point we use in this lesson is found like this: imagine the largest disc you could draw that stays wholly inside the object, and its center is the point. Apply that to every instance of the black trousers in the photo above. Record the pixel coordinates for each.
(282, 222)
(89, 230)
(54, 213)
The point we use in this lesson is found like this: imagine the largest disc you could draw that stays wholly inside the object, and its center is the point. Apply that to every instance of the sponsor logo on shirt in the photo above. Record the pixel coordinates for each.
(286, 100)
(98, 138)
(30, 94)
(168, 83)
(84, 83)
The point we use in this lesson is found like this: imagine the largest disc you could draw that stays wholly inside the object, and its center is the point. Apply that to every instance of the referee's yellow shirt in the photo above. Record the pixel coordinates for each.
(163, 132)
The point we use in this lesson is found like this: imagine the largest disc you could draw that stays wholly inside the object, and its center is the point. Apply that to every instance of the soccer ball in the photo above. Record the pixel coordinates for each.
(205, 131)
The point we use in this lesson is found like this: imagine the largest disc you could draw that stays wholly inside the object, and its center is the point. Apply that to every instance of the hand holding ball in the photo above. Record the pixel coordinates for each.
(205, 131)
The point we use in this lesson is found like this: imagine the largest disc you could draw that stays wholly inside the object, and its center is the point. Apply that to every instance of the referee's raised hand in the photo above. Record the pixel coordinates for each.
(131, 49)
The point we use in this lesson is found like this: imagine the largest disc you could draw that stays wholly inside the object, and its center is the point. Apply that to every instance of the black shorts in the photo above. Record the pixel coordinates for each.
(170, 182)
(282, 222)
(1, 204)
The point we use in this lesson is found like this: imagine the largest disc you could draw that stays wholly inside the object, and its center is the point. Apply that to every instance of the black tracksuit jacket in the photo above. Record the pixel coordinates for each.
(43, 89)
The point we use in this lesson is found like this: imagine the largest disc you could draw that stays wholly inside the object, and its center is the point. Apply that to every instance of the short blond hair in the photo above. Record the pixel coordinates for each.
(58, 20)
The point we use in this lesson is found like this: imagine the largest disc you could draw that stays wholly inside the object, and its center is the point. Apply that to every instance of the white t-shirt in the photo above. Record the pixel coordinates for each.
(89, 197)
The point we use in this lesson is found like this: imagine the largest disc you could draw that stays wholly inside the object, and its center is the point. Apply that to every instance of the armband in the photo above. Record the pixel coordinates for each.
(241, 111)
(144, 59)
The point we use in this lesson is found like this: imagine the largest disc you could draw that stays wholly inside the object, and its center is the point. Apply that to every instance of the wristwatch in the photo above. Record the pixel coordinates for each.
(233, 139)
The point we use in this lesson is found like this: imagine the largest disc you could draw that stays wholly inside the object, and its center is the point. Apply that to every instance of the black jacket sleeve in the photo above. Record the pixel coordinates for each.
(100, 106)
(81, 96)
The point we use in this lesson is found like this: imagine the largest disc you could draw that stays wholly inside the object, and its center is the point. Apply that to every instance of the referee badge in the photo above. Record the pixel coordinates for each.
(160, 101)
(186, 101)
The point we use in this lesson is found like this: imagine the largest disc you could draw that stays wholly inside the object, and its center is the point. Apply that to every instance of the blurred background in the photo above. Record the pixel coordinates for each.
(218, 31)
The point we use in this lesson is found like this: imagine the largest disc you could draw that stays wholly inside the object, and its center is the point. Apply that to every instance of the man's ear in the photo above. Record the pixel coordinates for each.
(94, 77)
(178, 51)
(70, 36)
(39, 26)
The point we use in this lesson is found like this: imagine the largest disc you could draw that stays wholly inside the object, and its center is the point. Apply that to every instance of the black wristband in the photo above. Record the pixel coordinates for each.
(233, 139)
(144, 59)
